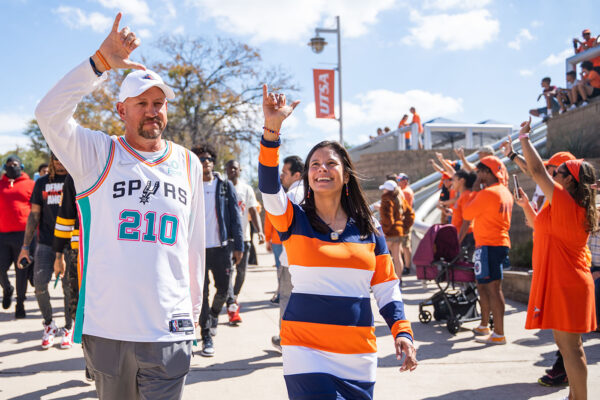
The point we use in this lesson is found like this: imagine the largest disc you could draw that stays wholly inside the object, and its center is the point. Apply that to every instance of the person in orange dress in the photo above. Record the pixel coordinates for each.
(562, 288)
(490, 209)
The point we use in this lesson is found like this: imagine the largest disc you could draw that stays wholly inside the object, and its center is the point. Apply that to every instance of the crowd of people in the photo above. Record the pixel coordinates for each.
(563, 214)
(407, 135)
(133, 225)
(577, 92)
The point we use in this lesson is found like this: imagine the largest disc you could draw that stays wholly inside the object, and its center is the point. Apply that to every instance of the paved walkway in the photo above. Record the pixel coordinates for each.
(247, 367)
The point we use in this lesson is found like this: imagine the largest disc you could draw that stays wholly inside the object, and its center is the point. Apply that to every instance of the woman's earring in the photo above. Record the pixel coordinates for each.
(347, 194)
(308, 193)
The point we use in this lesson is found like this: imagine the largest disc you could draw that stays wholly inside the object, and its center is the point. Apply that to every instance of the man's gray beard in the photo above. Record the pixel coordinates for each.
(148, 135)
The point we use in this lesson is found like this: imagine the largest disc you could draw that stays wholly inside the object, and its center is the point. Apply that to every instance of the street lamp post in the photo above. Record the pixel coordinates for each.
(317, 44)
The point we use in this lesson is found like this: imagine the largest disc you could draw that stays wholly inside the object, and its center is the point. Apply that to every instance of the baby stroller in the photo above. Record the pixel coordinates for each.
(440, 258)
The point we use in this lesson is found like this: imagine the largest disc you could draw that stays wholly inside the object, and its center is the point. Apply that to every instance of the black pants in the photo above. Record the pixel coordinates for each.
(235, 286)
(218, 260)
(10, 247)
(71, 277)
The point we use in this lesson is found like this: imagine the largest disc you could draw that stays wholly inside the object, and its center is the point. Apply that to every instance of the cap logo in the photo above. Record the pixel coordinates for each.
(148, 76)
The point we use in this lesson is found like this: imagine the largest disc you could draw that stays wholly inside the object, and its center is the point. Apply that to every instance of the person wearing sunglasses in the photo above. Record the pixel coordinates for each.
(562, 289)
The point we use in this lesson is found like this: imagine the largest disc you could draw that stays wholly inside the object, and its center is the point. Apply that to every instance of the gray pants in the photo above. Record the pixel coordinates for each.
(43, 269)
(285, 290)
(136, 370)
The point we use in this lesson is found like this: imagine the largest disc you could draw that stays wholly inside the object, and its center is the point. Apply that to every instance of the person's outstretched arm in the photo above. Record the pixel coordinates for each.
(466, 165)
(277, 205)
(82, 151)
(534, 162)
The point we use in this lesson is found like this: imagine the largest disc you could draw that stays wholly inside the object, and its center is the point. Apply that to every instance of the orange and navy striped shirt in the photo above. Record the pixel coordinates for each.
(328, 325)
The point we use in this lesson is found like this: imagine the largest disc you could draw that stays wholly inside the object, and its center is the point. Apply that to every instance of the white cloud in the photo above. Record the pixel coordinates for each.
(525, 72)
(13, 122)
(10, 142)
(179, 30)
(137, 10)
(444, 5)
(385, 108)
(523, 36)
(464, 31)
(77, 18)
(291, 21)
(536, 23)
(143, 33)
(556, 59)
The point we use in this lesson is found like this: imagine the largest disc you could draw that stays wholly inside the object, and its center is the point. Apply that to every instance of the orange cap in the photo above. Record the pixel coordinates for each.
(574, 166)
(497, 167)
(585, 31)
(559, 158)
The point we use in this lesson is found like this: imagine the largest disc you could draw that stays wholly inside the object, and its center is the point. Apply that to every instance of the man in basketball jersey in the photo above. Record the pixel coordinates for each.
(141, 210)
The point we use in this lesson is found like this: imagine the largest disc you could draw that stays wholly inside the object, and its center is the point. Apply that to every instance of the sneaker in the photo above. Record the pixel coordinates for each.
(481, 330)
(49, 334)
(208, 349)
(275, 299)
(583, 104)
(67, 338)
(573, 106)
(213, 325)
(233, 311)
(20, 311)
(558, 380)
(88, 375)
(406, 271)
(7, 298)
(276, 342)
(491, 339)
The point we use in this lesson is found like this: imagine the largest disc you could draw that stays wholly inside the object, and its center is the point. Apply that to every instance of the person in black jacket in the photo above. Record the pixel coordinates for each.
(223, 225)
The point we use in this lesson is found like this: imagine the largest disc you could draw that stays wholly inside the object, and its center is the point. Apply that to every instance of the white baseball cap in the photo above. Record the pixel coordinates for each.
(137, 82)
(389, 185)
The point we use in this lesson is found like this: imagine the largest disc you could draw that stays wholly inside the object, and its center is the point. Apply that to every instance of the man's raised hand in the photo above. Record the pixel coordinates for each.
(117, 47)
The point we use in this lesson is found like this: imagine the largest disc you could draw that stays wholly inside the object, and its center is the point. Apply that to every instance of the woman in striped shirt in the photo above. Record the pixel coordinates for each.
(336, 253)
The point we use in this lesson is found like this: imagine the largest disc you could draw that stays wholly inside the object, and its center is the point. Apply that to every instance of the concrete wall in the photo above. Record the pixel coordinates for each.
(577, 131)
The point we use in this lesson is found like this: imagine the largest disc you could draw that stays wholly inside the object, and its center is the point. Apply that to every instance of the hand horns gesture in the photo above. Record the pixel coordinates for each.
(118, 45)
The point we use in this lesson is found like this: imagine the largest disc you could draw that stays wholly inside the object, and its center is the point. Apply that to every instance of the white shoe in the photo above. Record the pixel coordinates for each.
(49, 334)
(585, 103)
(573, 106)
(67, 338)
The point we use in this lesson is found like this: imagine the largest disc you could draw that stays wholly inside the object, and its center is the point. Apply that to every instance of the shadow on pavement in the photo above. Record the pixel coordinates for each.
(56, 388)
(22, 337)
(68, 364)
(233, 369)
(515, 391)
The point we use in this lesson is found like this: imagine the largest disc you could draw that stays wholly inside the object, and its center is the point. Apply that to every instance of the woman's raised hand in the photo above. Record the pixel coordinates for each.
(525, 127)
(118, 45)
(507, 147)
(522, 198)
(276, 109)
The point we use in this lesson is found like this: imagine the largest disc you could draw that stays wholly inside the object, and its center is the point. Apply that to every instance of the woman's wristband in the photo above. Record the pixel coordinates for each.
(512, 156)
(524, 136)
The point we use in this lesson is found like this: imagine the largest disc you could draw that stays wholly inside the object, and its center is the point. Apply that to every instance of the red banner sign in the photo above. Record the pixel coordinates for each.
(324, 90)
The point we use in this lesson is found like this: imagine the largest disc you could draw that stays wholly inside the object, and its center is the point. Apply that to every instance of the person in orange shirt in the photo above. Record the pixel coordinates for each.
(562, 288)
(462, 183)
(401, 125)
(490, 209)
(416, 119)
(590, 83)
(588, 43)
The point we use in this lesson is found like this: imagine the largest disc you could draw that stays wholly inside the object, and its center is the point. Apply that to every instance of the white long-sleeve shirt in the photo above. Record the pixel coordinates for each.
(142, 224)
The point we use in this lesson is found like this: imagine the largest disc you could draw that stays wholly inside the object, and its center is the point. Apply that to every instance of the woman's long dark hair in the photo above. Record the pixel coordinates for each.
(585, 196)
(355, 204)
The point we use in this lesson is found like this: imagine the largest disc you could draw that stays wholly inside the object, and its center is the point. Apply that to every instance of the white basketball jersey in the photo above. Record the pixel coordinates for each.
(134, 227)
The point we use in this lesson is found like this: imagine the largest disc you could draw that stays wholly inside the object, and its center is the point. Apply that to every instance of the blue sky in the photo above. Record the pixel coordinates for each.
(467, 60)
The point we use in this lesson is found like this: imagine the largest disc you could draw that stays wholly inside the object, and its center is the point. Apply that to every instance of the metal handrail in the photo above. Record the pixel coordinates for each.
(425, 200)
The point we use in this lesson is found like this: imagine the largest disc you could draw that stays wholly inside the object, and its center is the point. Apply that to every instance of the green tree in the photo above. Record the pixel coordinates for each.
(218, 87)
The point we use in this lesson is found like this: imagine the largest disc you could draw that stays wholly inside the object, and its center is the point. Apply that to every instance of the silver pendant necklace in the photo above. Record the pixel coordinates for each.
(334, 235)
